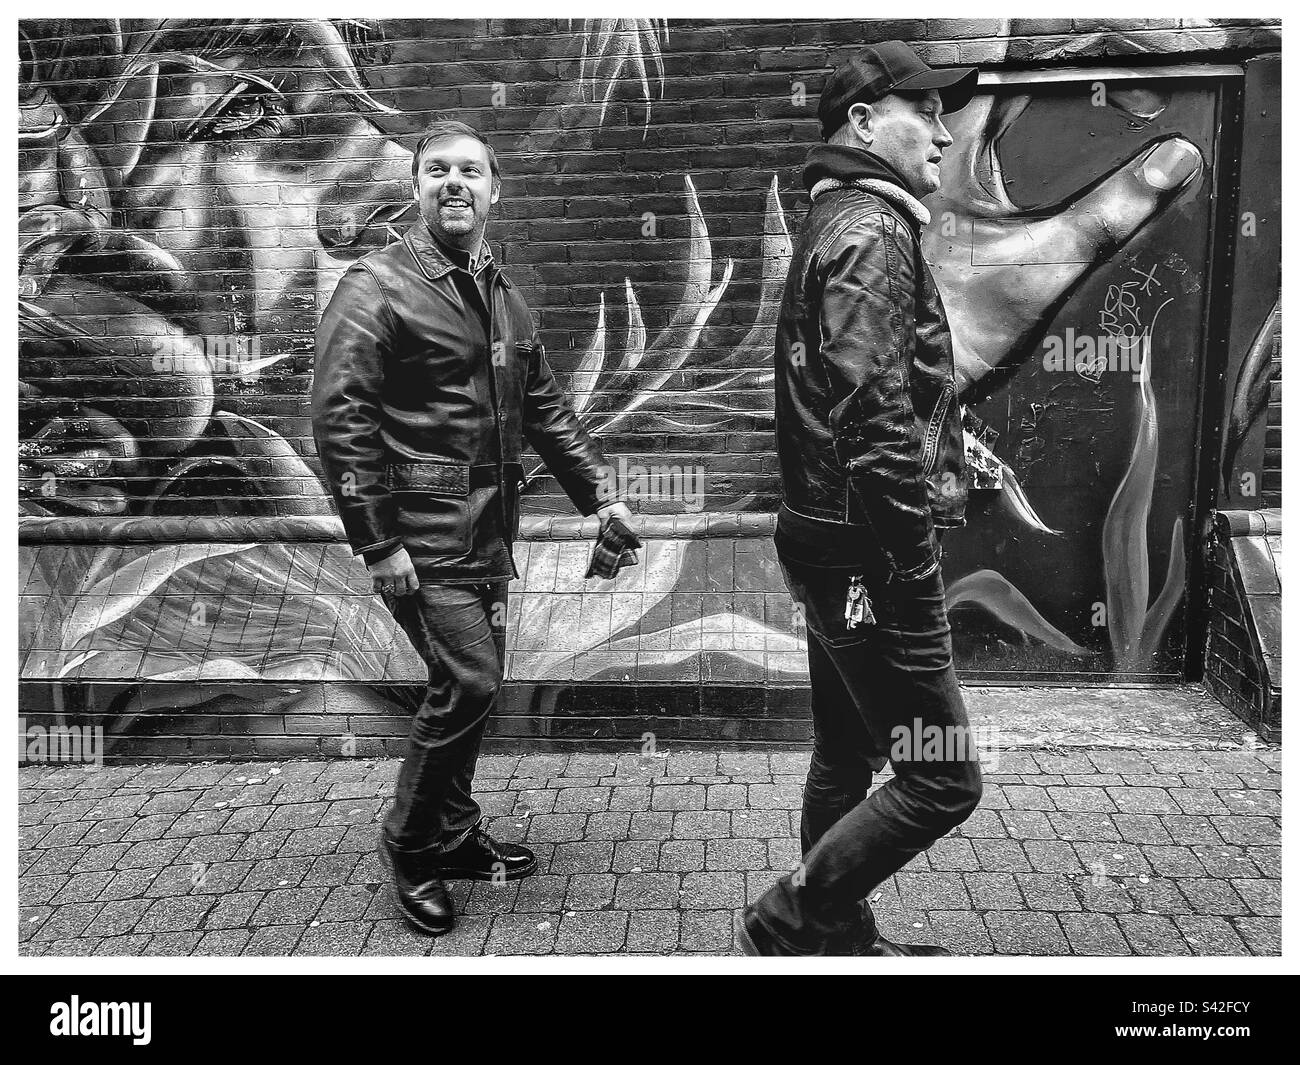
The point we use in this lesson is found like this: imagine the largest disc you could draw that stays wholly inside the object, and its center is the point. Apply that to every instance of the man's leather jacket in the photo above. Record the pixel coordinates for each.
(868, 423)
(421, 401)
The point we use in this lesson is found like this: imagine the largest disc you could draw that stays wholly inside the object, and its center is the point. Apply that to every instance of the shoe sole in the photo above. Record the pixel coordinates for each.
(451, 873)
(387, 862)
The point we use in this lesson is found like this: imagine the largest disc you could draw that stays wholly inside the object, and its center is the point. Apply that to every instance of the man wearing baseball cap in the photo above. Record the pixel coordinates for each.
(873, 470)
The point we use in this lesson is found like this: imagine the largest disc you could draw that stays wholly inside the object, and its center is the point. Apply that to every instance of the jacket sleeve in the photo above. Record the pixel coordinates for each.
(557, 434)
(867, 278)
(352, 341)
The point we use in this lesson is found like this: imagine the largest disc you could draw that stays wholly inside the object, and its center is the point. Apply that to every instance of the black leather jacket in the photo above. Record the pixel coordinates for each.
(868, 422)
(421, 400)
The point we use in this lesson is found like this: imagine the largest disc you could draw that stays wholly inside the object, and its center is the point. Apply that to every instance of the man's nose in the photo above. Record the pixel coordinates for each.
(943, 138)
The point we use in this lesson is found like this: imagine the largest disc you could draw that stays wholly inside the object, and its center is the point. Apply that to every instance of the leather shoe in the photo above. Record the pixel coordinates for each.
(756, 941)
(480, 857)
(421, 895)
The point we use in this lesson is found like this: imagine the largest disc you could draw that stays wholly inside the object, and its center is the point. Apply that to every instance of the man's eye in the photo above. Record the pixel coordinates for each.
(247, 110)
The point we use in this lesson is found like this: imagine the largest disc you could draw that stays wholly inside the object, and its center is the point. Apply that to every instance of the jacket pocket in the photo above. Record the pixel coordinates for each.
(433, 506)
(934, 430)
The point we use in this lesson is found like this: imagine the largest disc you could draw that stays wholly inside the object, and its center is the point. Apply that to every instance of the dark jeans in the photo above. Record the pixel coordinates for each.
(876, 690)
(459, 631)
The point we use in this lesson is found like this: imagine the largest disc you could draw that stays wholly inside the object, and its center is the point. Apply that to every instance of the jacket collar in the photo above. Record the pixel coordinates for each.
(836, 166)
(434, 261)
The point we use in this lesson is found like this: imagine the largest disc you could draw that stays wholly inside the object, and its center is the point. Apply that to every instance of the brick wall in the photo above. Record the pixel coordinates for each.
(191, 192)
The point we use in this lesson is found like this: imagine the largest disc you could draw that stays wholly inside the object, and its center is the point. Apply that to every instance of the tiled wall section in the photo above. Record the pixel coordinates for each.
(305, 611)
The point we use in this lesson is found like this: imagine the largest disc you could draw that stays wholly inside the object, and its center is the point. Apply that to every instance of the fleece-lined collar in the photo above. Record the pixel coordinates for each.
(836, 166)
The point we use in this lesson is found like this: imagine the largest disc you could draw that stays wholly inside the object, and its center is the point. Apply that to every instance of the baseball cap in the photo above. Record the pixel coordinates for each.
(884, 68)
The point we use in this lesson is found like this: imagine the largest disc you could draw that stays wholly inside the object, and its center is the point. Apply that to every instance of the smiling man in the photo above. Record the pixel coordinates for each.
(872, 469)
(429, 376)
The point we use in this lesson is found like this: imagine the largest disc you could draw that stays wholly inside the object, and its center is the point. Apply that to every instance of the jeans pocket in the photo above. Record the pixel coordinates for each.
(821, 595)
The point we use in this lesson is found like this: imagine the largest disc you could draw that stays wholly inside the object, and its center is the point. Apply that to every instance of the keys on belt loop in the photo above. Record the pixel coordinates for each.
(857, 606)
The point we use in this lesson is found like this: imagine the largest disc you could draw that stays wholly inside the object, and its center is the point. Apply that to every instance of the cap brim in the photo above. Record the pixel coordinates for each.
(956, 85)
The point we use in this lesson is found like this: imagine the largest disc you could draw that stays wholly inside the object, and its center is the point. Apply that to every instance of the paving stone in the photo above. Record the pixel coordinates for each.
(67, 922)
(993, 891)
(522, 933)
(396, 938)
(1173, 861)
(651, 825)
(1084, 827)
(1263, 935)
(731, 854)
(276, 940)
(1094, 933)
(636, 855)
(592, 932)
(1081, 799)
(1027, 824)
(1210, 935)
(702, 824)
(38, 890)
(682, 856)
(1048, 891)
(122, 946)
(82, 887)
(1212, 897)
(273, 873)
(595, 857)
(1248, 830)
(610, 826)
(952, 854)
(1103, 894)
(1156, 896)
(1027, 797)
(1000, 855)
(725, 797)
(1268, 860)
(1197, 801)
(348, 903)
(207, 850)
(117, 918)
(1052, 856)
(590, 891)
(1024, 932)
(332, 940)
(708, 930)
(712, 891)
(653, 931)
(961, 932)
(291, 906)
(177, 914)
(931, 891)
(70, 948)
(330, 870)
(1191, 828)
(467, 938)
(542, 894)
(646, 891)
(632, 798)
(1113, 859)
(983, 824)
(1223, 860)
(1152, 935)
(172, 944)
(152, 853)
(233, 911)
(556, 828)
(1141, 828)
(760, 824)
(485, 897)
(225, 942)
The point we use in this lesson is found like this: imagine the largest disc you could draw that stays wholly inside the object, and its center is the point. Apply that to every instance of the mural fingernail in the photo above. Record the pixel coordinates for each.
(1171, 164)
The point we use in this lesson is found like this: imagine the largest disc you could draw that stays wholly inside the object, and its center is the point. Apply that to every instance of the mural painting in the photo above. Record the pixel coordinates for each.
(190, 192)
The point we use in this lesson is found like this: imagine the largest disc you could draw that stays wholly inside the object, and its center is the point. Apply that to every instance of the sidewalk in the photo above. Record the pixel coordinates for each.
(1090, 852)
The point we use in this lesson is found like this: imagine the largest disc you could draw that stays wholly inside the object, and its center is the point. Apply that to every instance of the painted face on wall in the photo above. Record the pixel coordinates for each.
(456, 189)
(909, 134)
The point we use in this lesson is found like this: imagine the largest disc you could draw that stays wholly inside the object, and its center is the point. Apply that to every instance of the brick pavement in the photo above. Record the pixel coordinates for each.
(1083, 852)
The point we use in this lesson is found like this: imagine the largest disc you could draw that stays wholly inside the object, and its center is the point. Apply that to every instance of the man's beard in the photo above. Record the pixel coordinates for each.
(457, 231)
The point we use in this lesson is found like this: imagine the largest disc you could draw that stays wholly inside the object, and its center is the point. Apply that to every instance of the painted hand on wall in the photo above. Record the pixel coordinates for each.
(988, 253)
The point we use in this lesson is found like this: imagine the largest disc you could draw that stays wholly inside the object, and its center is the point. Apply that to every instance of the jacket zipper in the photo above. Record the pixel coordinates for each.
(930, 455)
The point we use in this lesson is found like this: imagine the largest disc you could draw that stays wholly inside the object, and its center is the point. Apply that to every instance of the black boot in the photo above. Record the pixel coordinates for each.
(480, 857)
(754, 939)
(421, 896)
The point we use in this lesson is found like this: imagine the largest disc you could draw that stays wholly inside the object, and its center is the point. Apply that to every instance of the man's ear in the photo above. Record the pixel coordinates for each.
(861, 119)
(496, 190)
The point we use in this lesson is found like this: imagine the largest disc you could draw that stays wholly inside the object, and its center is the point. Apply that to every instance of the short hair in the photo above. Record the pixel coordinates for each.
(443, 128)
(841, 134)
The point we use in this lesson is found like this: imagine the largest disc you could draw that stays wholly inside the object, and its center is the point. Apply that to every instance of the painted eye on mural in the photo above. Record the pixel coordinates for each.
(250, 109)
